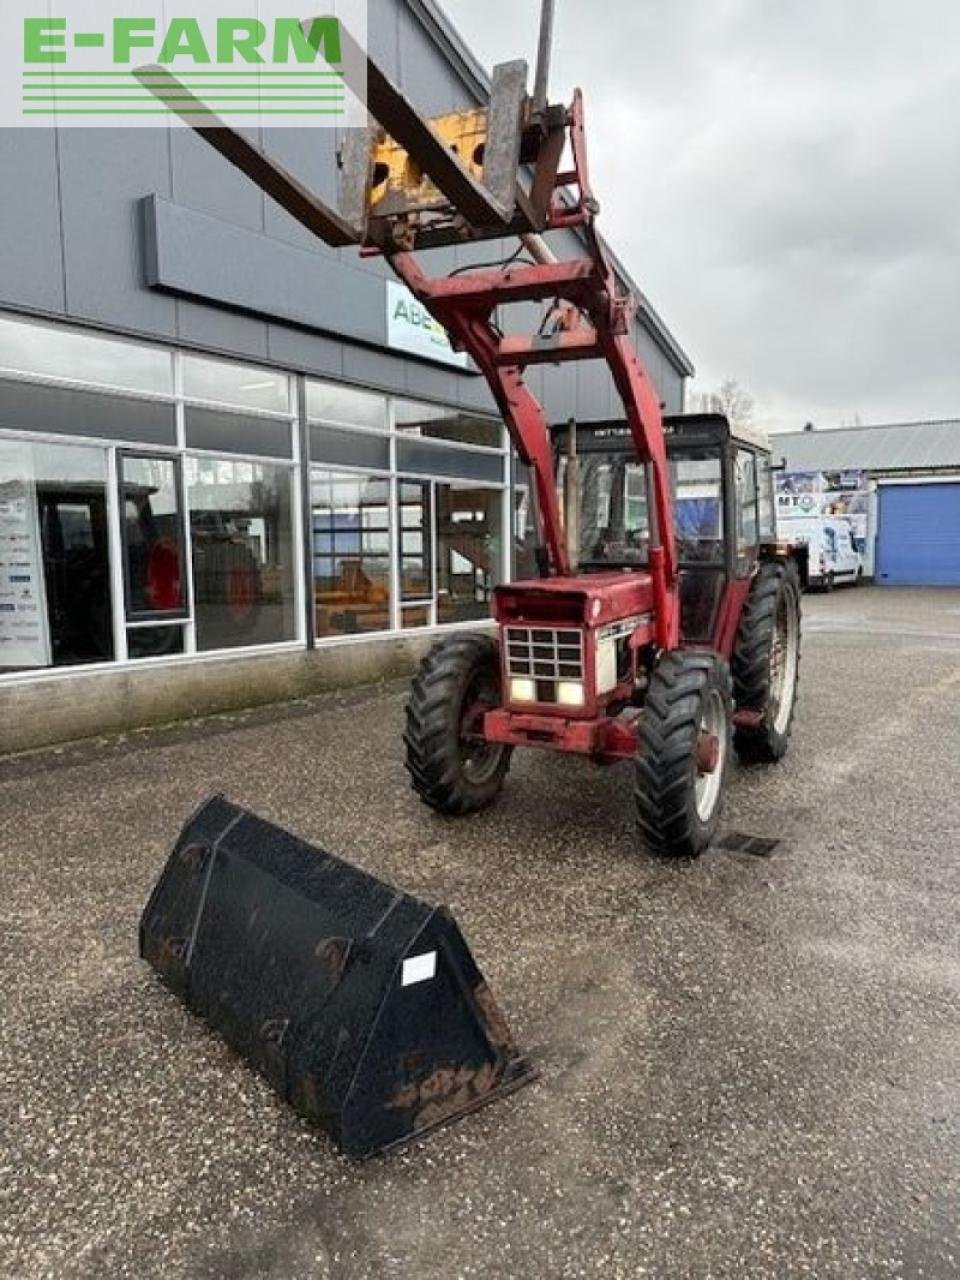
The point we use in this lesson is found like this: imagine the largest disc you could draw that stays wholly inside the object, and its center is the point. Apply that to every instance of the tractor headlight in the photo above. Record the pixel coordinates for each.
(523, 690)
(570, 693)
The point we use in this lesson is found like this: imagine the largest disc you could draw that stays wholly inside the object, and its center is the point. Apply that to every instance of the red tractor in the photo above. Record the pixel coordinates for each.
(579, 666)
(665, 623)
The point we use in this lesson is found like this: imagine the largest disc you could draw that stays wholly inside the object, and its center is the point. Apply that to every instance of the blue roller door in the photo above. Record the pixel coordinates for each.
(918, 543)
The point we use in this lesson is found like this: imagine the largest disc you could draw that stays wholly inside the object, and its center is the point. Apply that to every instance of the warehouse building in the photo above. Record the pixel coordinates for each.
(900, 485)
(237, 465)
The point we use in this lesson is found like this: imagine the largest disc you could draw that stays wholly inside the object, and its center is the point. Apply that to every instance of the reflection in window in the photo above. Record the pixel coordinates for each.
(765, 505)
(237, 384)
(327, 402)
(154, 642)
(524, 535)
(416, 570)
(152, 536)
(433, 422)
(469, 551)
(746, 502)
(52, 352)
(351, 552)
(243, 562)
(614, 522)
(698, 508)
(416, 616)
(55, 601)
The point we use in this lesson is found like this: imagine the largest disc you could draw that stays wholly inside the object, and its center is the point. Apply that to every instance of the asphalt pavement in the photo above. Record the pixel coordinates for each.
(750, 1065)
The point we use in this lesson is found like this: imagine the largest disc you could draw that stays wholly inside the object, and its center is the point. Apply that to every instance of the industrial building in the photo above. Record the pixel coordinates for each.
(900, 485)
(237, 465)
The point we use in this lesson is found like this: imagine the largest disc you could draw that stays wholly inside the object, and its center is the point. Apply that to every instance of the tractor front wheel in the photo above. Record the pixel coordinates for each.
(452, 768)
(683, 752)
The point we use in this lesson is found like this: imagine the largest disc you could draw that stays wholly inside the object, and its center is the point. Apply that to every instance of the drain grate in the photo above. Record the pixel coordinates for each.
(755, 846)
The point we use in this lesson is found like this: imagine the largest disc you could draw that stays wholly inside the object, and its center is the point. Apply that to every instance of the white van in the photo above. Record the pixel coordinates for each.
(833, 555)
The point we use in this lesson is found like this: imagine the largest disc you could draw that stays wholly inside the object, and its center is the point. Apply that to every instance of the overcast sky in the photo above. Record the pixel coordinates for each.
(782, 178)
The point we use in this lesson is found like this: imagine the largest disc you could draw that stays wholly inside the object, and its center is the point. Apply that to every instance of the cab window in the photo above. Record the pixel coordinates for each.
(765, 504)
(698, 507)
(747, 514)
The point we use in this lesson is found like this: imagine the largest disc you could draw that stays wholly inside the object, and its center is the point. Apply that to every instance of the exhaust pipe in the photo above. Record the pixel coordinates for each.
(571, 498)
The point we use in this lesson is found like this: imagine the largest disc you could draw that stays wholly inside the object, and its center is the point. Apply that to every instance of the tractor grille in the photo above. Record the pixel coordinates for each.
(545, 654)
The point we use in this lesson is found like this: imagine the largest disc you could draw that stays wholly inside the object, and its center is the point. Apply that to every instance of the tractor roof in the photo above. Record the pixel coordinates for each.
(710, 427)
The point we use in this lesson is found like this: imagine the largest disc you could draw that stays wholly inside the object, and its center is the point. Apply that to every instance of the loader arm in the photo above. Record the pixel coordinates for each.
(475, 176)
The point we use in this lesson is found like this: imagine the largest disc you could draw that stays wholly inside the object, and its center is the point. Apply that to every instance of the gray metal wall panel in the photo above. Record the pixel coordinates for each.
(218, 329)
(560, 392)
(223, 432)
(196, 254)
(104, 173)
(383, 19)
(307, 351)
(204, 180)
(311, 156)
(28, 406)
(595, 391)
(31, 263)
(377, 368)
(432, 381)
(473, 393)
(428, 81)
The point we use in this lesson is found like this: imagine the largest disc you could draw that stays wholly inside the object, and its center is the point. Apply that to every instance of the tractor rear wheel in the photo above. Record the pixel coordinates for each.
(766, 663)
(683, 752)
(452, 768)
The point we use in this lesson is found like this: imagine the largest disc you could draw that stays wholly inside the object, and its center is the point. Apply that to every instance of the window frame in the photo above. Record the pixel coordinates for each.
(153, 617)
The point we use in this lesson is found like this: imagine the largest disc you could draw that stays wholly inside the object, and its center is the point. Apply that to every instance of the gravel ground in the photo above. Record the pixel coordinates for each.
(750, 1066)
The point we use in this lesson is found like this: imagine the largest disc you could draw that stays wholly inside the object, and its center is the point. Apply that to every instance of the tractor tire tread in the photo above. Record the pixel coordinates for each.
(431, 735)
(666, 814)
(750, 663)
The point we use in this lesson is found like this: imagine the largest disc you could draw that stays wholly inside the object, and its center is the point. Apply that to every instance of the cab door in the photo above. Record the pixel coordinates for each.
(746, 514)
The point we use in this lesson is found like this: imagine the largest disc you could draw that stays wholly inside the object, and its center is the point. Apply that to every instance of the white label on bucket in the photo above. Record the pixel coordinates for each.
(419, 969)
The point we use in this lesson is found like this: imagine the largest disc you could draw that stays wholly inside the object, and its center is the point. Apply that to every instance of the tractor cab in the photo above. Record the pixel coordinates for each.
(723, 503)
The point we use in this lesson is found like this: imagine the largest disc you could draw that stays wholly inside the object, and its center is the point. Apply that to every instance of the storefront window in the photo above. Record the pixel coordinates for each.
(172, 532)
(351, 552)
(237, 384)
(434, 422)
(346, 406)
(418, 615)
(152, 524)
(241, 527)
(469, 551)
(55, 598)
(154, 642)
(51, 352)
(416, 573)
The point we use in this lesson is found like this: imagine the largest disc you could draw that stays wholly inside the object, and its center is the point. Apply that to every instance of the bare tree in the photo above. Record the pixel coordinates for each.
(730, 399)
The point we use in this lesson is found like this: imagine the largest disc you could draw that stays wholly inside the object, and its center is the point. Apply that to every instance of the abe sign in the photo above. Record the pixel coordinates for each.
(411, 328)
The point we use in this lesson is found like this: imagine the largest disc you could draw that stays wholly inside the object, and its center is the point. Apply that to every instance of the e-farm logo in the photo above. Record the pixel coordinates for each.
(144, 62)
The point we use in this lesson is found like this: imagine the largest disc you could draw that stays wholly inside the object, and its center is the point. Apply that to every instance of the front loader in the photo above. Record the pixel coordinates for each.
(664, 626)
